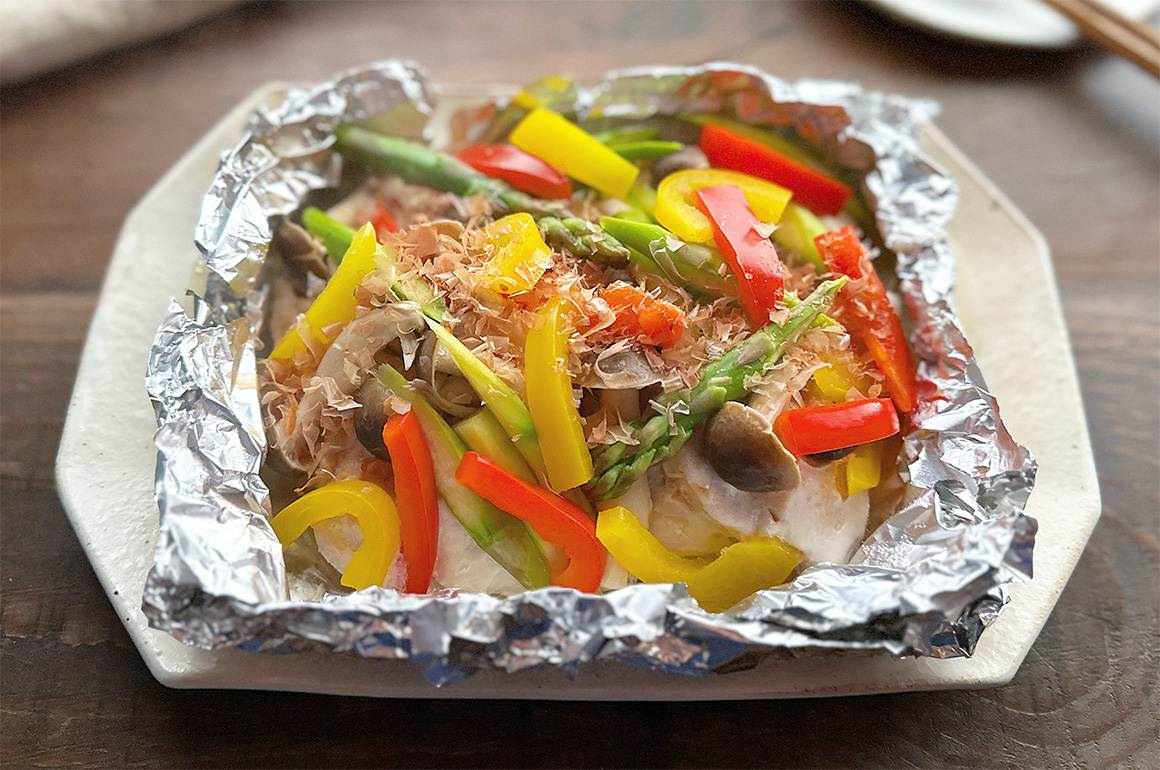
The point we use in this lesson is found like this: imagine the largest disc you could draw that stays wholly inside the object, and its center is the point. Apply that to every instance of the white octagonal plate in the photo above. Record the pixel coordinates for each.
(1010, 309)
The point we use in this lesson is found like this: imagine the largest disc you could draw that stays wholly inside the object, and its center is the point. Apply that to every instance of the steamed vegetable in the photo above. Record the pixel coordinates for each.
(550, 515)
(827, 427)
(564, 145)
(504, 538)
(865, 310)
(749, 253)
(677, 210)
(618, 465)
(418, 502)
(371, 507)
(419, 165)
(692, 266)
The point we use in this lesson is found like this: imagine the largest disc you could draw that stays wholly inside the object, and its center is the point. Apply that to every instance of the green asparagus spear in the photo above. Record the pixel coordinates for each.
(335, 236)
(504, 403)
(650, 150)
(797, 230)
(508, 540)
(694, 267)
(408, 286)
(485, 435)
(660, 436)
(419, 165)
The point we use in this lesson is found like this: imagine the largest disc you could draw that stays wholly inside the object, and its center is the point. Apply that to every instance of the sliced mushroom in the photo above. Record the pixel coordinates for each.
(371, 417)
(741, 446)
(681, 160)
(301, 253)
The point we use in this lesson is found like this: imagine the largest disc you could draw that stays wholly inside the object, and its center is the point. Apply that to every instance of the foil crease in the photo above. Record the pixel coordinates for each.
(927, 582)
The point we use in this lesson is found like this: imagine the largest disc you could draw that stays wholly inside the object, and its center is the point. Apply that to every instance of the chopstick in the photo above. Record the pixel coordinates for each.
(1135, 40)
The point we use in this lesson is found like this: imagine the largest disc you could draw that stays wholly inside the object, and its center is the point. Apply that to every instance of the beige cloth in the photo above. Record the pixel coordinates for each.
(40, 35)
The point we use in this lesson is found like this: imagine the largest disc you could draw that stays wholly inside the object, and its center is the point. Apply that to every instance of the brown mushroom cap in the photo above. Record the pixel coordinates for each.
(741, 446)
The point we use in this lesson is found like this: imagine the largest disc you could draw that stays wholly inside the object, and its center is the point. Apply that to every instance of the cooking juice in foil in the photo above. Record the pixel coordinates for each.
(926, 581)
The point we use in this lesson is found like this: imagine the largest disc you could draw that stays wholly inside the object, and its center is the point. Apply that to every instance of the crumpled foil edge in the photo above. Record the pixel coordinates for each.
(927, 582)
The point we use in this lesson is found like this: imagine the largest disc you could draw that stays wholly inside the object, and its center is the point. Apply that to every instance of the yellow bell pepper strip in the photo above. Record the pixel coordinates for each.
(550, 515)
(638, 550)
(549, 391)
(863, 468)
(519, 255)
(833, 382)
(336, 304)
(752, 565)
(865, 309)
(418, 500)
(676, 209)
(371, 507)
(751, 256)
(503, 402)
(562, 144)
(504, 538)
(796, 232)
(484, 435)
(819, 193)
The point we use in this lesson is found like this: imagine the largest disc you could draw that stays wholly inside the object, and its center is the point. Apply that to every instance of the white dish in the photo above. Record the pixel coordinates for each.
(1017, 23)
(1015, 324)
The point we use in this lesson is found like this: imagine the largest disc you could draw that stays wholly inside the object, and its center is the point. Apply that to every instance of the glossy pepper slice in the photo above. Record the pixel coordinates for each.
(418, 502)
(551, 516)
(863, 468)
(519, 255)
(817, 192)
(549, 391)
(336, 304)
(638, 550)
(560, 143)
(521, 170)
(742, 569)
(865, 310)
(676, 207)
(371, 507)
(760, 276)
(824, 428)
(754, 564)
(642, 316)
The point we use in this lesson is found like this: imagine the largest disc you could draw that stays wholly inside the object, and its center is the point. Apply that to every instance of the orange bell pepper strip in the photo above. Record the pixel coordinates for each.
(553, 518)
(816, 191)
(642, 316)
(865, 310)
(369, 505)
(760, 276)
(418, 502)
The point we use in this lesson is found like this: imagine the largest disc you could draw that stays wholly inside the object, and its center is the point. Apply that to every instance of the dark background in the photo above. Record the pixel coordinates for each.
(1072, 137)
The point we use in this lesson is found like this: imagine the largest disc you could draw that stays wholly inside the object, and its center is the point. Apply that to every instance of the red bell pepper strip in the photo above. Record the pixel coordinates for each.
(760, 277)
(827, 427)
(865, 310)
(415, 495)
(520, 169)
(812, 189)
(551, 516)
(642, 316)
(383, 222)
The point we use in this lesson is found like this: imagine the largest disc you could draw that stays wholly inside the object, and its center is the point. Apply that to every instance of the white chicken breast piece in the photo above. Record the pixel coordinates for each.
(695, 511)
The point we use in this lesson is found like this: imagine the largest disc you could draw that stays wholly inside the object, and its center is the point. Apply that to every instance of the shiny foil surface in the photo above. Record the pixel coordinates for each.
(927, 582)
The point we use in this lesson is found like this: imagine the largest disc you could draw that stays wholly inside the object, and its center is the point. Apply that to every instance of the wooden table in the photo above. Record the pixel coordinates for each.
(1071, 137)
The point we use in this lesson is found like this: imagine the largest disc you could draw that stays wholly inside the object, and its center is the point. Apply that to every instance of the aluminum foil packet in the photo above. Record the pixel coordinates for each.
(926, 582)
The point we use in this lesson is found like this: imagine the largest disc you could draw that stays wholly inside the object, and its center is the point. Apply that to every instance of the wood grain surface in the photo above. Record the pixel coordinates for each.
(1072, 137)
